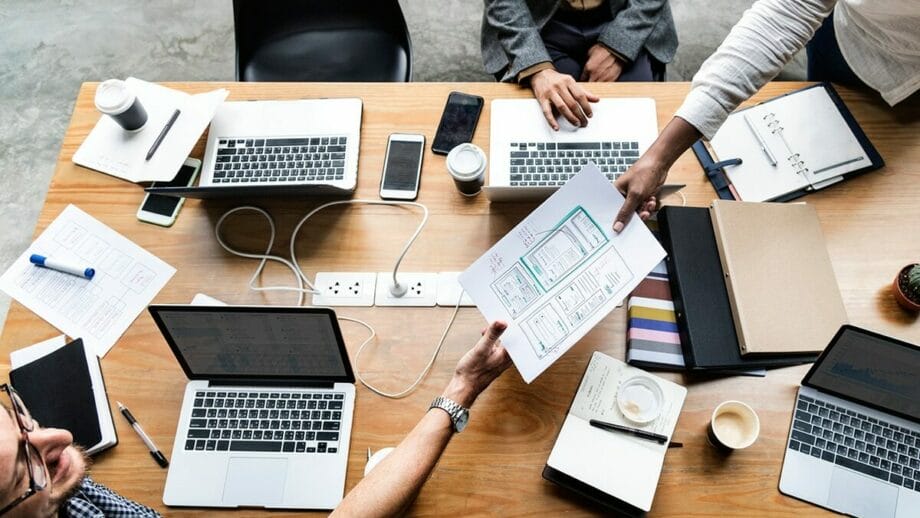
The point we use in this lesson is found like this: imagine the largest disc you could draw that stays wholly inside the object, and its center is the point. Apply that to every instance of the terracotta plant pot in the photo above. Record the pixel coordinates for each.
(899, 294)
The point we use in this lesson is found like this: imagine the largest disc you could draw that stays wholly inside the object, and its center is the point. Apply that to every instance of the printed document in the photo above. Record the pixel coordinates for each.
(561, 270)
(98, 310)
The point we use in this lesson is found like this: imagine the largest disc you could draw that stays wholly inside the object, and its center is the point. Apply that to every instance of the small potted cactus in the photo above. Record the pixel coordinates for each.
(907, 287)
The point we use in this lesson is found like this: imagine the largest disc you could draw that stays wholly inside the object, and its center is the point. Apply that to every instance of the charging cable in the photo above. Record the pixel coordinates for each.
(302, 279)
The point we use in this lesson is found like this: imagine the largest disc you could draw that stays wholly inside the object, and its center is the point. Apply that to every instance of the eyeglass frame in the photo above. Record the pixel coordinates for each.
(19, 410)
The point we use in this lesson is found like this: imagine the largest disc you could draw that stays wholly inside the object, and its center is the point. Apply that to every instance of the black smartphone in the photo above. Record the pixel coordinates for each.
(458, 122)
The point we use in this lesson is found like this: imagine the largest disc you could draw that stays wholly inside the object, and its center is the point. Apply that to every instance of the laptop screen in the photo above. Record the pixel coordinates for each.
(236, 342)
(871, 369)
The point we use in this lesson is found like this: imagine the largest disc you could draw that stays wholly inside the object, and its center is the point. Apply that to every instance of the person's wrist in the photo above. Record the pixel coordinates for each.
(461, 391)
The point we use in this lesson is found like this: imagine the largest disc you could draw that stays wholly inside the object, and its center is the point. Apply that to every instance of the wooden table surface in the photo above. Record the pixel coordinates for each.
(494, 467)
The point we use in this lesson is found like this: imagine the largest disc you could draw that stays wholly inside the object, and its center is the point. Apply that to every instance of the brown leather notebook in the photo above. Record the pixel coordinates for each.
(778, 275)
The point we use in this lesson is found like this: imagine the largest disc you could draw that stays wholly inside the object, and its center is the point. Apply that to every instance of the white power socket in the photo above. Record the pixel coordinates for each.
(345, 289)
(449, 289)
(422, 289)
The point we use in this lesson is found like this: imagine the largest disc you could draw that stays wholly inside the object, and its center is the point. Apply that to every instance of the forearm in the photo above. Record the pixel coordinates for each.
(518, 34)
(392, 486)
(761, 43)
(627, 32)
(676, 138)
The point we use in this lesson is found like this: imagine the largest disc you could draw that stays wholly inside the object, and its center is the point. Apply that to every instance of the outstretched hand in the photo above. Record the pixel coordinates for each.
(479, 366)
(639, 185)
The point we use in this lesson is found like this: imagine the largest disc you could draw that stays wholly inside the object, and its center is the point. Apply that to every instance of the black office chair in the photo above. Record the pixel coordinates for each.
(321, 40)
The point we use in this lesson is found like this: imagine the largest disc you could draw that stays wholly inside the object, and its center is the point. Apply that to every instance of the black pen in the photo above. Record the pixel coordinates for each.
(657, 437)
(162, 135)
(154, 451)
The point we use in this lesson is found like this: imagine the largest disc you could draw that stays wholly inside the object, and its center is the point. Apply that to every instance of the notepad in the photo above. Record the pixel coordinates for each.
(111, 150)
(793, 144)
(61, 384)
(616, 466)
(778, 276)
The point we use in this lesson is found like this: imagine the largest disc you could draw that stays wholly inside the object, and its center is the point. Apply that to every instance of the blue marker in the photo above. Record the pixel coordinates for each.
(62, 266)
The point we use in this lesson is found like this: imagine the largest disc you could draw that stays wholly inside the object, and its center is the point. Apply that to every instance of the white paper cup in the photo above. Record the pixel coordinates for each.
(733, 426)
(466, 164)
(115, 99)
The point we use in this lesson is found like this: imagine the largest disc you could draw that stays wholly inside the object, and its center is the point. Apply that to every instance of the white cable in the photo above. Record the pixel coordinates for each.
(302, 278)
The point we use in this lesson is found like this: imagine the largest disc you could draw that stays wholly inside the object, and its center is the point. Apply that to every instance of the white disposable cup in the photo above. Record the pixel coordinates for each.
(115, 99)
(733, 426)
(466, 164)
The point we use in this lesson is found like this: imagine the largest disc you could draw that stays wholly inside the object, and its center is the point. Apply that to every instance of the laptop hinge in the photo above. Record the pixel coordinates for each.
(273, 383)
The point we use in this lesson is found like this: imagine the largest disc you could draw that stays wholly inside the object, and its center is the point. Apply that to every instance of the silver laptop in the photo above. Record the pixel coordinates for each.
(266, 418)
(267, 148)
(530, 161)
(854, 443)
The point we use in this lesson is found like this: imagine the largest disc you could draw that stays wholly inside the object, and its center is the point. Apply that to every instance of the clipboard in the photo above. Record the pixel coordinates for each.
(783, 130)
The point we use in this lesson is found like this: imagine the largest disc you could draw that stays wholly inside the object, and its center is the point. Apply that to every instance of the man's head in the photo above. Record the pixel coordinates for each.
(64, 465)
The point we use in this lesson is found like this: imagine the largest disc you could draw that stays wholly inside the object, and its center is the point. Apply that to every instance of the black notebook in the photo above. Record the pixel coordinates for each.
(704, 315)
(63, 388)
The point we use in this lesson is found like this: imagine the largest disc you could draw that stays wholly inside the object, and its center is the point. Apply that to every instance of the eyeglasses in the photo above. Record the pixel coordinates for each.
(38, 476)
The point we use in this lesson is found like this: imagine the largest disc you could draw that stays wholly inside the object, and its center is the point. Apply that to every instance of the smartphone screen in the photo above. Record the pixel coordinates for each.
(458, 122)
(165, 205)
(403, 162)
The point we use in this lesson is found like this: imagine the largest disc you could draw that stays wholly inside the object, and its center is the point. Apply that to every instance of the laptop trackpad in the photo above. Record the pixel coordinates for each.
(859, 495)
(255, 481)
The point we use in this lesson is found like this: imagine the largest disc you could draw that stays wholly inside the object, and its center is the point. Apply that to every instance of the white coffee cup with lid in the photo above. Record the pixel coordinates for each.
(466, 164)
(115, 99)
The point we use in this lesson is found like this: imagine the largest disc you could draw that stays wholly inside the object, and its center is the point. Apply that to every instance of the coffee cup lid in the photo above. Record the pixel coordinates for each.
(466, 161)
(640, 399)
(113, 96)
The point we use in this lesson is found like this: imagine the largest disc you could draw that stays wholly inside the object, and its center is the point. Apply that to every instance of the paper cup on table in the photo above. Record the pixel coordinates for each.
(115, 99)
(733, 426)
(466, 164)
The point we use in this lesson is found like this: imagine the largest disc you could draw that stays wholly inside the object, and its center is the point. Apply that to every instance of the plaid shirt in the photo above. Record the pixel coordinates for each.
(92, 500)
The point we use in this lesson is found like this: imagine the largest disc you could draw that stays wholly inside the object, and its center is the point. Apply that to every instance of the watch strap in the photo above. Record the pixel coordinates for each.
(450, 406)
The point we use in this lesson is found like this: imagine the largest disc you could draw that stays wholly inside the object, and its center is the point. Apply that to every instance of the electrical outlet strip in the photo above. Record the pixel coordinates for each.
(422, 289)
(449, 289)
(345, 289)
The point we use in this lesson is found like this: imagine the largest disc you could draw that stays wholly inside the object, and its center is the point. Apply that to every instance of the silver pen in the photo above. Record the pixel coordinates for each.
(760, 140)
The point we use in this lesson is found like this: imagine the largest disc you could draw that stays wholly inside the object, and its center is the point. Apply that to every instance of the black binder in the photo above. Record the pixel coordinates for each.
(715, 171)
(704, 315)
(58, 391)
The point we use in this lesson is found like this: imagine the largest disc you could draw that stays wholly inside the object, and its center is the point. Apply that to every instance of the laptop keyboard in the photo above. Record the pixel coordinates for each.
(291, 422)
(280, 160)
(853, 440)
(550, 164)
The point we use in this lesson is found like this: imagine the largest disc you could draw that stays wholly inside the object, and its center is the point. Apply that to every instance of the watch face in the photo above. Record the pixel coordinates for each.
(462, 419)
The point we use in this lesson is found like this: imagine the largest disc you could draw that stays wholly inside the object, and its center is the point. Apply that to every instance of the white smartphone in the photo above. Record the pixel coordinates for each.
(162, 210)
(402, 168)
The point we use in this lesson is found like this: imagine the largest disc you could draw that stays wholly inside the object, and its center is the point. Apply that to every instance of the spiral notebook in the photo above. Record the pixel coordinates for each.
(787, 147)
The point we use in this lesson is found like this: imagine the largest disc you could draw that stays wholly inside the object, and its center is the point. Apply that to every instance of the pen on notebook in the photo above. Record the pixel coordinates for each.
(154, 451)
(162, 135)
(63, 265)
(660, 439)
(760, 140)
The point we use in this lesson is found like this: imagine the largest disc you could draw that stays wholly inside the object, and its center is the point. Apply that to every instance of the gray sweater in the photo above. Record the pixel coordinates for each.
(511, 32)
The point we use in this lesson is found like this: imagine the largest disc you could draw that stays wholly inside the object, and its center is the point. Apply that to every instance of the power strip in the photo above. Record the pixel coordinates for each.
(367, 289)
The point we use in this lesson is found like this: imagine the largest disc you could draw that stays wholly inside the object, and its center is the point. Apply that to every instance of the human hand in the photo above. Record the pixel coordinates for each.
(602, 65)
(639, 184)
(479, 366)
(560, 93)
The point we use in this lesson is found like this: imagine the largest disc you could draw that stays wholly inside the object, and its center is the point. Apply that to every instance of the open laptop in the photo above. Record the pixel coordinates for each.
(266, 418)
(854, 443)
(529, 160)
(267, 148)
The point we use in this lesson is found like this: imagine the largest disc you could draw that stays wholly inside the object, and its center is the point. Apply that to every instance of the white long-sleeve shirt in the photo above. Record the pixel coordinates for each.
(880, 40)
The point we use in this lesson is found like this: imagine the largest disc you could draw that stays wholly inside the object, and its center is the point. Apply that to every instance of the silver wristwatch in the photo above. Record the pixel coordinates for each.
(458, 415)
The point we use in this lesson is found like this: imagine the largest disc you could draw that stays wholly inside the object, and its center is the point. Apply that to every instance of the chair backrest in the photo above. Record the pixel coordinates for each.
(260, 21)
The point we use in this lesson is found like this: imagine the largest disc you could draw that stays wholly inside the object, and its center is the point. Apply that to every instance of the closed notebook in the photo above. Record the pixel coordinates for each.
(778, 276)
(63, 388)
(704, 316)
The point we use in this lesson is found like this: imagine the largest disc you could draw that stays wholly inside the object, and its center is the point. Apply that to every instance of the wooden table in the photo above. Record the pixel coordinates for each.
(494, 467)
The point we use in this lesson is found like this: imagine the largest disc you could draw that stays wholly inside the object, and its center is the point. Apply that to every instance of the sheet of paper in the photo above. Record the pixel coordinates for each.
(98, 310)
(112, 150)
(29, 354)
(560, 271)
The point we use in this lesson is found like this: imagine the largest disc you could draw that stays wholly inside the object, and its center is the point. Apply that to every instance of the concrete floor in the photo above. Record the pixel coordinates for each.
(49, 47)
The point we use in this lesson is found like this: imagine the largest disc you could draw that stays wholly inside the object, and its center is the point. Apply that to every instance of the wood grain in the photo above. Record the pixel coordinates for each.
(494, 467)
